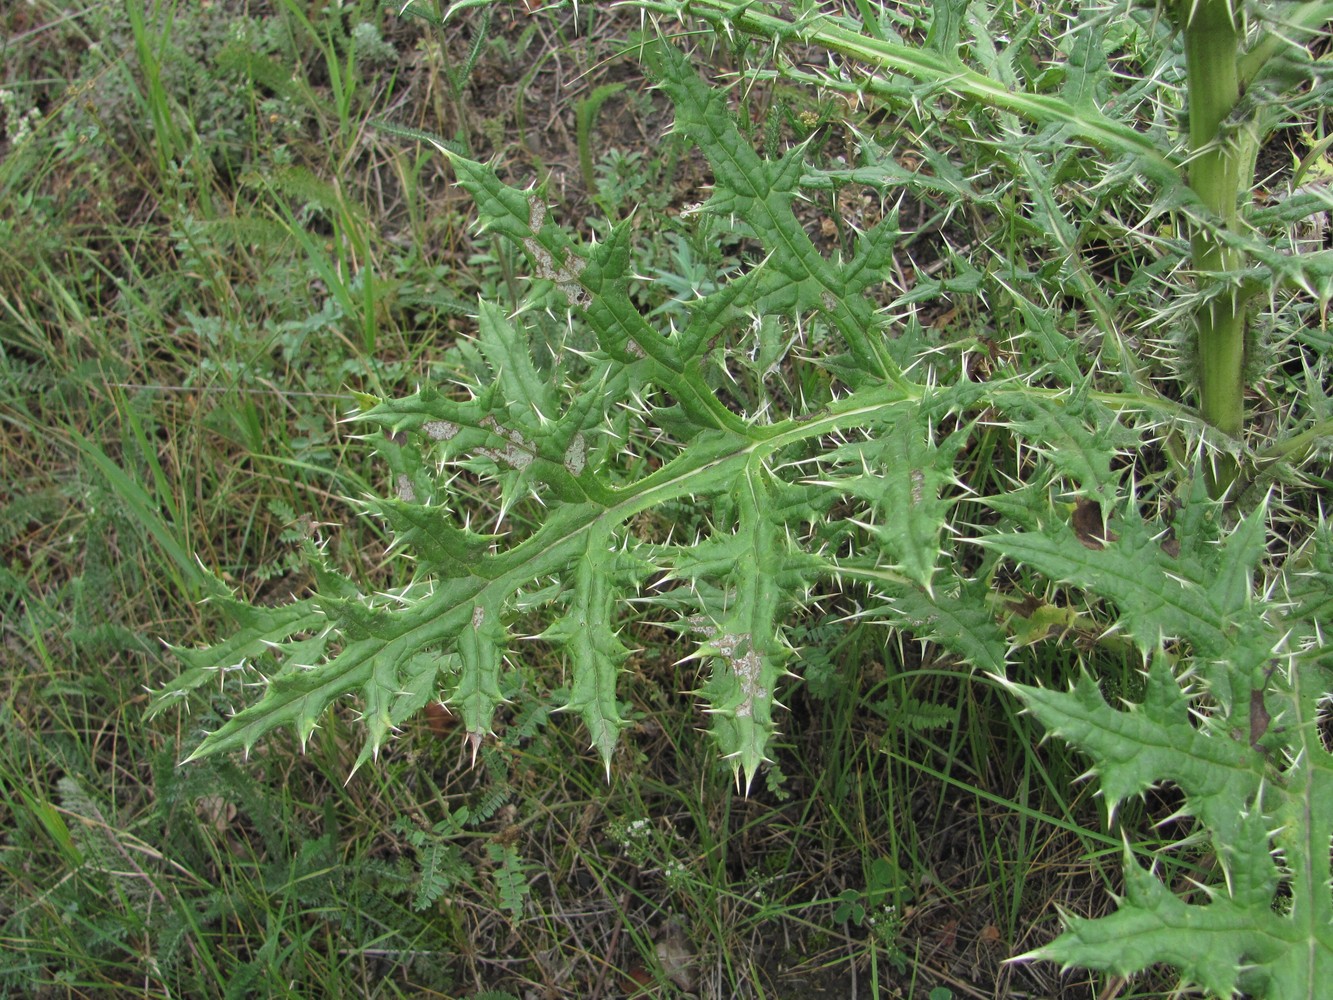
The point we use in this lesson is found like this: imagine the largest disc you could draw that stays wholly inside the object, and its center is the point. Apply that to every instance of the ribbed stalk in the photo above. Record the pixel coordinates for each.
(1219, 167)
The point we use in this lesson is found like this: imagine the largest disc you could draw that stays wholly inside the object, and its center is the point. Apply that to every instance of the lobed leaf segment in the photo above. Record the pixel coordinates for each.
(878, 446)
(836, 472)
(1230, 716)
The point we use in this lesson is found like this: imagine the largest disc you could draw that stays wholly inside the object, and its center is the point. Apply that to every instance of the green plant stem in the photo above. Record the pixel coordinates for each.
(1217, 171)
(1298, 446)
(1221, 162)
(948, 73)
(585, 115)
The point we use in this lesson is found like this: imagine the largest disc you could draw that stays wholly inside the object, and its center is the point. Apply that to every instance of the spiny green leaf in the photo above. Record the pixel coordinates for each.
(945, 26)
(1259, 812)
(296, 697)
(588, 631)
(958, 621)
(530, 397)
(902, 471)
(1194, 594)
(1309, 580)
(1077, 434)
(771, 488)
(481, 648)
(395, 693)
(1209, 944)
(761, 193)
(555, 453)
(426, 531)
(742, 637)
(1153, 741)
(595, 281)
(1087, 74)
(258, 631)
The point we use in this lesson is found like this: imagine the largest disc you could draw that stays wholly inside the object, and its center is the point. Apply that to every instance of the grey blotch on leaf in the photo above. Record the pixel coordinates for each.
(576, 456)
(440, 430)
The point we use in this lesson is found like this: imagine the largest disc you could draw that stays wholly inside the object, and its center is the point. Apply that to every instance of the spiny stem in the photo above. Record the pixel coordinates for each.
(1218, 168)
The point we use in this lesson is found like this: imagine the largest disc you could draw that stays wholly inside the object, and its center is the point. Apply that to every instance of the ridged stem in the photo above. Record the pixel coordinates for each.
(1219, 166)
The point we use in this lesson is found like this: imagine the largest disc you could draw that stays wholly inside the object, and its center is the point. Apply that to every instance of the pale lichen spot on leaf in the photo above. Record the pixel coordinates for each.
(576, 456)
(747, 666)
(517, 453)
(702, 625)
(748, 669)
(564, 275)
(440, 430)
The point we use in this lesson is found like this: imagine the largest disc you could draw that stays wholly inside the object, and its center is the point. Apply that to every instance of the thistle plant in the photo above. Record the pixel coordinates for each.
(1247, 71)
(819, 435)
